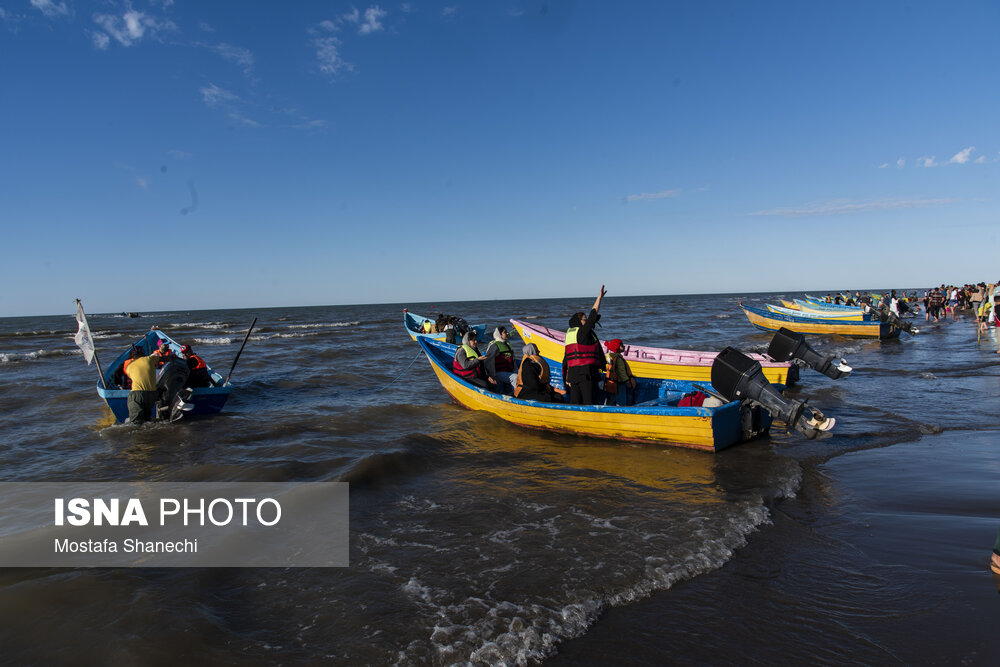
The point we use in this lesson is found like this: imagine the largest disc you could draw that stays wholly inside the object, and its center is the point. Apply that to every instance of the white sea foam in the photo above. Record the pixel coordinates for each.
(213, 341)
(324, 325)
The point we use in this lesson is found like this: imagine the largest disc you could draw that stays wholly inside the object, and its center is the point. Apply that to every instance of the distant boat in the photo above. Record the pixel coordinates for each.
(654, 362)
(414, 325)
(815, 306)
(655, 418)
(830, 315)
(206, 400)
(768, 321)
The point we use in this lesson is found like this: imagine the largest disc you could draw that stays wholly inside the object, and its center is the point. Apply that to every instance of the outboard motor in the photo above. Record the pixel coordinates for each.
(170, 381)
(788, 345)
(738, 377)
(885, 315)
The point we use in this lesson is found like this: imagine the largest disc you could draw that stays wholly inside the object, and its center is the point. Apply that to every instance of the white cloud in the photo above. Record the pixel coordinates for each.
(235, 54)
(213, 96)
(329, 26)
(900, 163)
(842, 206)
(51, 9)
(130, 27)
(353, 17)
(962, 156)
(449, 12)
(884, 165)
(328, 56)
(926, 161)
(178, 154)
(142, 182)
(373, 20)
(653, 195)
(981, 159)
(101, 41)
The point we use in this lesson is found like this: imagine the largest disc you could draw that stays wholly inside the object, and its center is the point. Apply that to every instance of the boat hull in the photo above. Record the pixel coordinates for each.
(709, 429)
(768, 321)
(653, 362)
(206, 400)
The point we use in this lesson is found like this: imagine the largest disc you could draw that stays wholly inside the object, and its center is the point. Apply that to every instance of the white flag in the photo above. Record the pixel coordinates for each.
(83, 338)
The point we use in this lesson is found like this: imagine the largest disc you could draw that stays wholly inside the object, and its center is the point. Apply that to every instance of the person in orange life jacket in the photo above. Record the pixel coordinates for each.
(468, 363)
(619, 386)
(499, 362)
(583, 360)
(199, 376)
(533, 378)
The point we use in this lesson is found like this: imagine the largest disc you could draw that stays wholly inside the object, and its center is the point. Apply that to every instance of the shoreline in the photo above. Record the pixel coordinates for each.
(886, 554)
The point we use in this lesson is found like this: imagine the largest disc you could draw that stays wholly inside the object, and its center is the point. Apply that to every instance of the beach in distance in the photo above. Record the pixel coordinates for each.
(475, 541)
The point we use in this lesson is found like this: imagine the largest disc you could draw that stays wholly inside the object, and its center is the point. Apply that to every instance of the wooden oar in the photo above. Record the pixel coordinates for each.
(245, 339)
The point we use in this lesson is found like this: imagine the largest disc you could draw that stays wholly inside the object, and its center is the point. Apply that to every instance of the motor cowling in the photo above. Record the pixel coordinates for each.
(739, 378)
(787, 345)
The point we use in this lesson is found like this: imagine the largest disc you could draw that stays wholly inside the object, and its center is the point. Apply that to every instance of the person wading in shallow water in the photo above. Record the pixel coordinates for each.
(142, 398)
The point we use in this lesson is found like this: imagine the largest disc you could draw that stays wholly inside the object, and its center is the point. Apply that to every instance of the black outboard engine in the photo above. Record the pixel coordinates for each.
(738, 377)
(788, 345)
(170, 380)
(885, 315)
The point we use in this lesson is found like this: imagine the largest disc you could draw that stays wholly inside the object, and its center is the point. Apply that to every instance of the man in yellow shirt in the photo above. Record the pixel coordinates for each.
(142, 398)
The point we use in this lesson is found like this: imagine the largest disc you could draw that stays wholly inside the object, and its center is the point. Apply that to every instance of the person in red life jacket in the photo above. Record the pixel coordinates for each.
(619, 385)
(533, 378)
(199, 376)
(583, 360)
(499, 362)
(468, 363)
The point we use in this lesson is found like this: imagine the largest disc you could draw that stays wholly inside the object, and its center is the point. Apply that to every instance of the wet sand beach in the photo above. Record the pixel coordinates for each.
(881, 558)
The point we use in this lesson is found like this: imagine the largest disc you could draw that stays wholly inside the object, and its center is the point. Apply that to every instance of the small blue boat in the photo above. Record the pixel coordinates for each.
(414, 325)
(206, 400)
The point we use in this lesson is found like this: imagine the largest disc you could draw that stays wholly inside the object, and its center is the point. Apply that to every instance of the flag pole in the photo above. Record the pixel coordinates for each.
(86, 327)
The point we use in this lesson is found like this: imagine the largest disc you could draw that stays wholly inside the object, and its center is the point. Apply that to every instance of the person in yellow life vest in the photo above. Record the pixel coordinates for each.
(499, 362)
(619, 385)
(468, 363)
(142, 398)
(429, 327)
(583, 360)
(533, 378)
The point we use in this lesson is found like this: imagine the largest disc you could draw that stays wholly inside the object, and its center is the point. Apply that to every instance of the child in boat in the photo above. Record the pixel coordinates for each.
(619, 386)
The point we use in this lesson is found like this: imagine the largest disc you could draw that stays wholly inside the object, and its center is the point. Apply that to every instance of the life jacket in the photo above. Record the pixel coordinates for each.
(612, 376)
(428, 327)
(466, 373)
(580, 354)
(196, 363)
(505, 359)
(543, 376)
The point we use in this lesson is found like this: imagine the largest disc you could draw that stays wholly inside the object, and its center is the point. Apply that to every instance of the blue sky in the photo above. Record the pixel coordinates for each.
(183, 155)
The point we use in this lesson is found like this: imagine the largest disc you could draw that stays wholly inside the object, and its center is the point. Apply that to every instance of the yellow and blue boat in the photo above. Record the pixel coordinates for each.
(768, 321)
(831, 315)
(655, 418)
(654, 362)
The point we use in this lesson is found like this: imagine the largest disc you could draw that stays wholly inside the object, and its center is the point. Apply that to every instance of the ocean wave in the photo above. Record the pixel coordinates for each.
(12, 357)
(324, 325)
(213, 341)
(198, 325)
